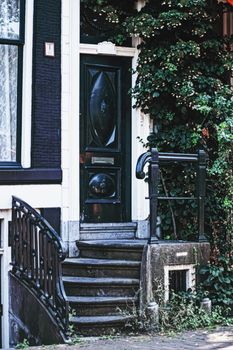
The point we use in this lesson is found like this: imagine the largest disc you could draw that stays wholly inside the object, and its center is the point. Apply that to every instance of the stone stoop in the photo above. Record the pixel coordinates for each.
(102, 284)
(113, 231)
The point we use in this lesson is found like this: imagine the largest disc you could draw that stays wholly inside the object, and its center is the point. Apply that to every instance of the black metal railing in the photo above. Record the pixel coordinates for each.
(155, 159)
(37, 253)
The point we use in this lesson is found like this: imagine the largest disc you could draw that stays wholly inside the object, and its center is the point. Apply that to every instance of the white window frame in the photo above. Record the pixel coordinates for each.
(27, 86)
(190, 277)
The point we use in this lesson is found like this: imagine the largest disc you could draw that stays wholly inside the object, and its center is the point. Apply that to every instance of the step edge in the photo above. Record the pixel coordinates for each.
(101, 300)
(99, 281)
(138, 244)
(100, 262)
(99, 319)
(110, 226)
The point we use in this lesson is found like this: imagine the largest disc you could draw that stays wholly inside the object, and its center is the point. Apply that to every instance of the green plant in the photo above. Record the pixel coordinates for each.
(72, 334)
(183, 312)
(183, 83)
(219, 280)
(23, 345)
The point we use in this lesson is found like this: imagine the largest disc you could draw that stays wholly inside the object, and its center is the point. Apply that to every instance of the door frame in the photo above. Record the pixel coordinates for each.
(70, 122)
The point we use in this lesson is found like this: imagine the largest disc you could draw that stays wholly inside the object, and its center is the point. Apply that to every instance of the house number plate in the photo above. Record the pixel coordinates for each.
(102, 160)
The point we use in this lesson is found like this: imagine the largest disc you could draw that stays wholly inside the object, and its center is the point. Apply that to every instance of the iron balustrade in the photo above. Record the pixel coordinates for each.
(154, 159)
(37, 253)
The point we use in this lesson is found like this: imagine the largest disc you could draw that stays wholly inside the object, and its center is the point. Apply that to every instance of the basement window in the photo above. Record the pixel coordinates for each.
(177, 281)
(178, 278)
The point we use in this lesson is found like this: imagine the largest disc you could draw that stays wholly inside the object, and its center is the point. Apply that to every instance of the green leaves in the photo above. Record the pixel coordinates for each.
(183, 76)
(219, 280)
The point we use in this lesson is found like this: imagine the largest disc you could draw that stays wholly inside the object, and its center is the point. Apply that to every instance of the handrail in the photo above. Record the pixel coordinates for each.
(154, 158)
(37, 253)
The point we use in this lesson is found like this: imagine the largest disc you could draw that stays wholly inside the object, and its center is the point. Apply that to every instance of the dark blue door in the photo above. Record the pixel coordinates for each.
(105, 122)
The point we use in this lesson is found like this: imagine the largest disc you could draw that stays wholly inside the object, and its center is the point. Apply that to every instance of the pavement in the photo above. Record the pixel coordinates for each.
(219, 338)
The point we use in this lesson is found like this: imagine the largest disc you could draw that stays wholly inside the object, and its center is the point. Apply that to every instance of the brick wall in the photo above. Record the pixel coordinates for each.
(46, 86)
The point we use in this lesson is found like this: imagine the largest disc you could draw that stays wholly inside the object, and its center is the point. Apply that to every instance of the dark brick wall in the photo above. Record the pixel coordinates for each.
(53, 216)
(46, 89)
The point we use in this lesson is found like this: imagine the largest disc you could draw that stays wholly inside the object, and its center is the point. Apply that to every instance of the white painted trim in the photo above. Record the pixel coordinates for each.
(74, 111)
(70, 115)
(27, 86)
(140, 4)
(38, 196)
(5, 216)
(107, 48)
(190, 277)
(141, 129)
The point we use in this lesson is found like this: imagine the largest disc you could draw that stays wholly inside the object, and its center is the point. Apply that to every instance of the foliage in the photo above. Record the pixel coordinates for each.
(23, 345)
(183, 76)
(74, 337)
(183, 312)
(219, 281)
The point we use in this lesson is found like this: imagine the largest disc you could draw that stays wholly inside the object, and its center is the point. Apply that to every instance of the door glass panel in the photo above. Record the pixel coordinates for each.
(102, 107)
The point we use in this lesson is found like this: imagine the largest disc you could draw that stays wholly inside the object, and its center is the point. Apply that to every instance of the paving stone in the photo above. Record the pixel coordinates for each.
(219, 339)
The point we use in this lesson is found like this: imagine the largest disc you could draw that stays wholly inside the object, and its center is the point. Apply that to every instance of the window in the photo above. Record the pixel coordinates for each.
(178, 278)
(11, 54)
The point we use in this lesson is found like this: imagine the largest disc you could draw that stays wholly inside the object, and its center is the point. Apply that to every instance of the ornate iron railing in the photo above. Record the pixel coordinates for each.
(155, 158)
(37, 253)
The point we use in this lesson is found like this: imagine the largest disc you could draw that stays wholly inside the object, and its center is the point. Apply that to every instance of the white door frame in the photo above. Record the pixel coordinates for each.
(71, 50)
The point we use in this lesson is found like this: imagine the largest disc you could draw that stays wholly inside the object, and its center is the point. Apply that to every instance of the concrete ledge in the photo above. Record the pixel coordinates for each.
(158, 259)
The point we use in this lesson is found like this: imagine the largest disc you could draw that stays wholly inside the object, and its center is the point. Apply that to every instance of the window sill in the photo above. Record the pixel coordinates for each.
(19, 176)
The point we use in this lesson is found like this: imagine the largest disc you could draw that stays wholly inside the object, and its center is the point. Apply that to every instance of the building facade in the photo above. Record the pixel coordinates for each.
(69, 136)
(42, 126)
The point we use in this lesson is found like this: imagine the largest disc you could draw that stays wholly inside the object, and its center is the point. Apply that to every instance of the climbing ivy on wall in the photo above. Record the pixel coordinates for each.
(183, 77)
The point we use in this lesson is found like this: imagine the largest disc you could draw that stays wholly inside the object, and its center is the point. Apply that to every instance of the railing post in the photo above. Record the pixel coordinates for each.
(153, 194)
(201, 178)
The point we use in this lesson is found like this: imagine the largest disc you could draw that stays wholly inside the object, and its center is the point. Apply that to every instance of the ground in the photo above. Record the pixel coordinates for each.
(220, 338)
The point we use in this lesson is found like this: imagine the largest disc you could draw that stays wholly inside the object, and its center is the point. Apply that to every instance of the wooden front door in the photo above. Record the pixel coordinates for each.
(105, 122)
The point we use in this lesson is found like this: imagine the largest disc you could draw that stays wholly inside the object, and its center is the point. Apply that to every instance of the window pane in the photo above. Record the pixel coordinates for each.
(8, 102)
(9, 19)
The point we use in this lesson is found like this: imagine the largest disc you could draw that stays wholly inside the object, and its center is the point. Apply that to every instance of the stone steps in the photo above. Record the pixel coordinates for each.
(103, 306)
(117, 250)
(85, 267)
(99, 231)
(87, 286)
(99, 325)
(102, 284)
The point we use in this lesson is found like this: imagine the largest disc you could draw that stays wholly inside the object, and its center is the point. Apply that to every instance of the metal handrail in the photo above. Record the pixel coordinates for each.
(37, 253)
(155, 158)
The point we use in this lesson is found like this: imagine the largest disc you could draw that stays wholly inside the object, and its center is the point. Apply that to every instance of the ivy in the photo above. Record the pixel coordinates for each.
(183, 76)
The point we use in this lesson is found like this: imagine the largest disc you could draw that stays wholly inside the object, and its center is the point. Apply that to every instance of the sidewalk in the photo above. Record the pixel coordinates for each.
(220, 338)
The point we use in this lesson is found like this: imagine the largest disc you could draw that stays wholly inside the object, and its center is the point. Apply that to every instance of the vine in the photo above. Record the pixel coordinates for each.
(183, 75)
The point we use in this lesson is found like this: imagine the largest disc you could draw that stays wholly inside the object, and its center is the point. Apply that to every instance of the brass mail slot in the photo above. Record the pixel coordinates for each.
(102, 160)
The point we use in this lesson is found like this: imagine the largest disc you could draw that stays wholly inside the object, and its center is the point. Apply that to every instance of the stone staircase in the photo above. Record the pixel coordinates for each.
(102, 284)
